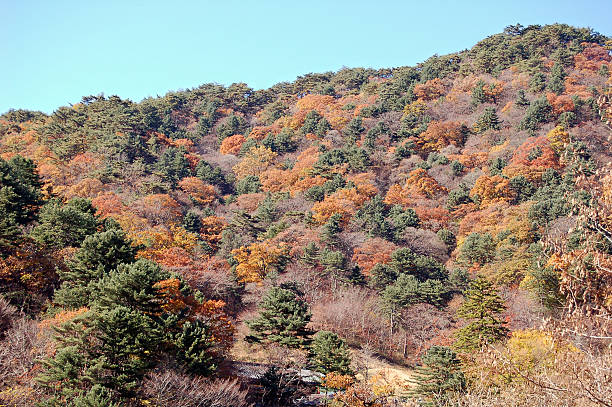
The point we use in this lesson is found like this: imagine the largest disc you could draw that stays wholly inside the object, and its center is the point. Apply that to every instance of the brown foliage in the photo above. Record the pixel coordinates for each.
(169, 388)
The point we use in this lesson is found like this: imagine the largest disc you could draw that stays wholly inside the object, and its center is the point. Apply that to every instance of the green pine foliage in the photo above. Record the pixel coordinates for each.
(438, 377)
(283, 318)
(482, 309)
(329, 353)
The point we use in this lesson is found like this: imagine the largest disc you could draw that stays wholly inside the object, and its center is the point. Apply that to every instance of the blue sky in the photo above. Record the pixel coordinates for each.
(55, 52)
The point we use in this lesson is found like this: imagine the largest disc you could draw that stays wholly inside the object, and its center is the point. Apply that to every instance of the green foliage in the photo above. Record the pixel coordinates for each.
(98, 255)
(482, 308)
(539, 112)
(448, 237)
(404, 261)
(65, 225)
(439, 376)
(281, 143)
(283, 318)
(213, 175)
(478, 248)
(315, 123)
(248, 185)
(328, 353)
(521, 99)
(385, 221)
(310, 256)
(192, 222)
(353, 130)
(522, 188)
(497, 165)
(334, 264)
(20, 189)
(408, 290)
(537, 83)
(557, 77)
(458, 196)
(331, 229)
(173, 165)
(488, 121)
(457, 168)
(194, 345)
(234, 124)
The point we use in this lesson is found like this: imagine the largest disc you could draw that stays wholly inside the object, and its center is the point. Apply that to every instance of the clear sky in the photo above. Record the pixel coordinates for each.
(55, 52)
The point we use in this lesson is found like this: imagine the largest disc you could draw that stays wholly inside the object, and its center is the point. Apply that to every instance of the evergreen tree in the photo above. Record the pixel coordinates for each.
(557, 77)
(328, 353)
(521, 99)
(66, 225)
(192, 222)
(440, 375)
(482, 307)
(478, 93)
(194, 347)
(20, 189)
(537, 83)
(353, 130)
(99, 254)
(331, 229)
(283, 317)
(488, 121)
(310, 257)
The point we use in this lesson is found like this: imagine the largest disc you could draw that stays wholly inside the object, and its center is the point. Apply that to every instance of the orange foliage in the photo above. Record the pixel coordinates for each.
(257, 260)
(326, 105)
(430, 90)
(250, 202)
(211, 229)
(61, 318)
(158, 241)
(419, 185)
(560, 103)
(201, 192)
(175, 302)
(232, 144)
(492, 190)
(373, 252)
(85, 188)
(159, 208)
(439, 135)
(533, 168)
(261, 132)
(344, 202)
(474, 160)
(108, 203)
(592, 57)
(499, 217)
(256, 161)
(29, 268)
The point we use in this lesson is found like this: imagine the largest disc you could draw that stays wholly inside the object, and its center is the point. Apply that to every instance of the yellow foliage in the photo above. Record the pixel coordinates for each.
(257, 260)
(558, 138)
(256, 161)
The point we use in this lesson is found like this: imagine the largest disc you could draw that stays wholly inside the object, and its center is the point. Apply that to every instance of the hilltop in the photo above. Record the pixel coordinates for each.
(454, 214)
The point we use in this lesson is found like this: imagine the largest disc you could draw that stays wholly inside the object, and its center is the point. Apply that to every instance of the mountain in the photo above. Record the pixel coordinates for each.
(216, 243)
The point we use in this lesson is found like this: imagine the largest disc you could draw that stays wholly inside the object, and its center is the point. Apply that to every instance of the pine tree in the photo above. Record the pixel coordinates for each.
(488, 121)
(557, 77)
(192, 222)
(310, 257)
(331, 229)
(482, 307)
(283, 317)
(521, 99)
(329, 353)
(440, 374)
(99, 255)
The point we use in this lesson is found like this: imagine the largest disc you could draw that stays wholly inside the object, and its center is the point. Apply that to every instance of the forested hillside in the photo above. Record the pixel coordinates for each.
(224, 246)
